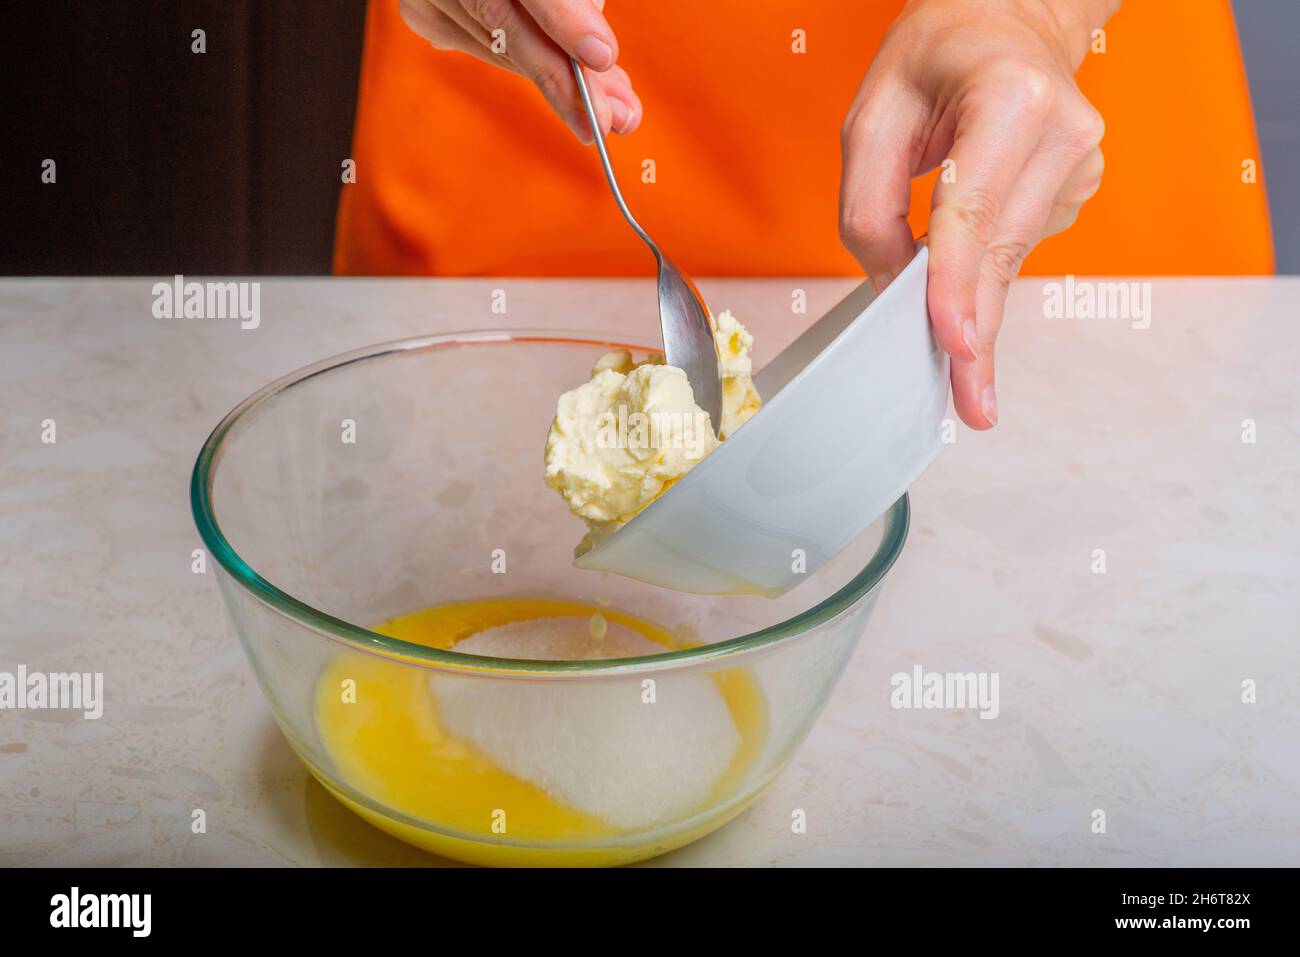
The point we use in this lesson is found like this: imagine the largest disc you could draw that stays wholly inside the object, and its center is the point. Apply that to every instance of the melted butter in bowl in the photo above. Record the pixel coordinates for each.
(611, 762)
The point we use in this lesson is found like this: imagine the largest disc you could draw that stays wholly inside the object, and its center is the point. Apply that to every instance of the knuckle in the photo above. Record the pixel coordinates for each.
(1085, 191)
(1002, 259)
(552, 82)
(1062, 217)
(858, 230)
(1095, 163)
(847, 129)
(1021, 85)
(856, 122)
(869, 109)
(977, 210)
(492, 14)
(1090, 177)
(1085, 128)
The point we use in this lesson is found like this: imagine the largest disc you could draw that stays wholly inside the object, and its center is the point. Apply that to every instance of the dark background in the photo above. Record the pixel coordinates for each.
(225, 162)
(228, 162)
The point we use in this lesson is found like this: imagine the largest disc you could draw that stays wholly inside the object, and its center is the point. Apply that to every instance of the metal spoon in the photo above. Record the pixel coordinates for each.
(683, 316)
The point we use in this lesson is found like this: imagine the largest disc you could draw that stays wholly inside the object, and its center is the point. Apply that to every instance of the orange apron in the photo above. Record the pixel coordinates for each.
(463, 171)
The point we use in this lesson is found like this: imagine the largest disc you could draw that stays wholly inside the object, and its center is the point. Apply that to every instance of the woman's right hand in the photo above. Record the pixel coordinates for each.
(535, 38)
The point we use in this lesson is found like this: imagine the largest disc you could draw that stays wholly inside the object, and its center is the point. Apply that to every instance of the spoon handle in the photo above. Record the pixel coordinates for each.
(604, 158)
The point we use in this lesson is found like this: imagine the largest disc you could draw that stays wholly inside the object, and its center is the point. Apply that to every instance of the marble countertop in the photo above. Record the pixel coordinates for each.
(1120, 691)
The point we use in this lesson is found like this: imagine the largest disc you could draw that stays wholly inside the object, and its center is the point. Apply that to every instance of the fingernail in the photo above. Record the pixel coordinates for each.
(595, 52)
(620, 112)
(968, 337)
(989, 405)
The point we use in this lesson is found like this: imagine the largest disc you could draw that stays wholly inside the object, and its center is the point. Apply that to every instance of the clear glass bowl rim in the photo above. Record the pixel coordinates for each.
(897, 520)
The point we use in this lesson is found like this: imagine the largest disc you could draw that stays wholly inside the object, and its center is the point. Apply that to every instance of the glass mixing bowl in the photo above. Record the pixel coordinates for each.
(409, 475)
